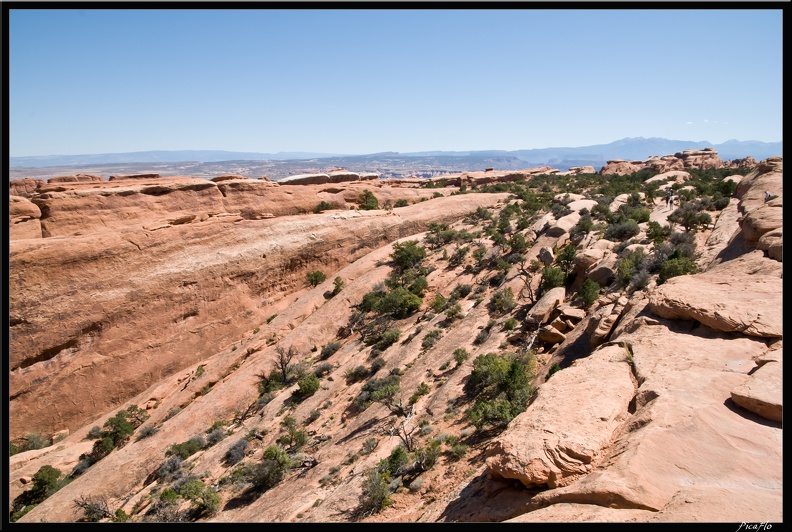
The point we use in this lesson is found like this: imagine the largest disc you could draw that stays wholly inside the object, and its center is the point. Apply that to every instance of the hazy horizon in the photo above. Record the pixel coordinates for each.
(366, 81)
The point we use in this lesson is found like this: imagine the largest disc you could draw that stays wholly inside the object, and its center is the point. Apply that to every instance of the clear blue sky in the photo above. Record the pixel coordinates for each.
(370, 80)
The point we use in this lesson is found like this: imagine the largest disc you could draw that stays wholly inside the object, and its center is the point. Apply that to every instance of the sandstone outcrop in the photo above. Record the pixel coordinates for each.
(24, 219)
(701, 159)
(561, 435)
(25, 187)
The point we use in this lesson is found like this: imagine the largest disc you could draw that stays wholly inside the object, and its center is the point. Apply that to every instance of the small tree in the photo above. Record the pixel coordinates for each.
(368, 201)
(315, 278)
(551, 278)
(44, 482)
(589, 292)
(283, 361)
(308, 385)
(338, 285)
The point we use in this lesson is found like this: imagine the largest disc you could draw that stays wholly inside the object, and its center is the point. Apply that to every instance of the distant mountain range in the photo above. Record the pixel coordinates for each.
(635, 148)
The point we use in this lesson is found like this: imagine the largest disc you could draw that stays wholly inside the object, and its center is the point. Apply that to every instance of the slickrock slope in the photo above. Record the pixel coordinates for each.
(654, 404)
(174, 293)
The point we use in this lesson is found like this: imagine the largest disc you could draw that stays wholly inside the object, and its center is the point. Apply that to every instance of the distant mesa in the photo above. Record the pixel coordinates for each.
(134, 176)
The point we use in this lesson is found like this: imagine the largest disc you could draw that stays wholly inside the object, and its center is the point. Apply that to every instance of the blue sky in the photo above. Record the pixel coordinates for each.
(370, 80)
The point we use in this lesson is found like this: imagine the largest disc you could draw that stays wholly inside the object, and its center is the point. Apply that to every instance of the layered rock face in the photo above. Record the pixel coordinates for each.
(179, 290)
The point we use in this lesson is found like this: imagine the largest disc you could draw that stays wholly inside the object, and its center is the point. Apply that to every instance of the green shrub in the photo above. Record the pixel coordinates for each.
(655, 233)
(44, 482)
(400, 203)
(461, 291)
(338, 285)
(552, 277)
(510, 324)
(186, 449)
(388, 338)
(307, 385)
(368, 201)
(315, 278)
(423, 389)
(438, 303)
(501, 385)
(589, 292)
(690, 216)
(457, 451)
(460, 356)
(554, 368)
(399, 302)
(376, 494)
(502, 301)
(675, 267)
(37, 441)
(323, 369)
(236, 452)
(431, 338)
(629, 264)
(323, 206)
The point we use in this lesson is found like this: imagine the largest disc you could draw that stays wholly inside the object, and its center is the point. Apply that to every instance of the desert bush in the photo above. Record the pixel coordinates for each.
(170, 466)
(36, 441)
(215, 436)
(423, 389)
(554, 368)
(236, 452)
(621, 231)
(188, 448)
(399, 302)
(146, 432)
(566, 257)
(387, 339)
(502, 301)
(369, 445)
(589, 292)
(45, 480)
(315, 278)
(323, 369)
(510, 324)
(323, 206)
(675, 267)
(377, 365)
(431, 338)
(400, 203)
(630, 263)
(655, 233)
(552, 277)
(376, 494)
(329, 350)
(690, 216)
(460, 355)
(453, 312)
(307, 385)
(368, 201)
(438, 303)
(502, 387)
(356, 375)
